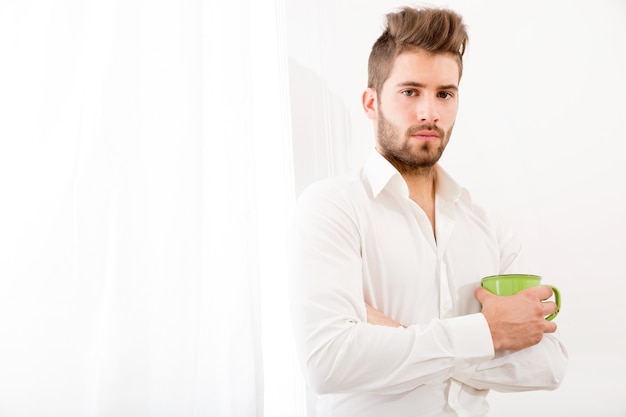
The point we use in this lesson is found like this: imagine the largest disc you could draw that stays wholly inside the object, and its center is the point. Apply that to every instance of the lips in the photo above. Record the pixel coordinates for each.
(426, 135)
(426, 132)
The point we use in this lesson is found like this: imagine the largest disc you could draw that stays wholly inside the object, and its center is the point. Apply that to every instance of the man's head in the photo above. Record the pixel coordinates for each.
(438, 31)
(412, 98)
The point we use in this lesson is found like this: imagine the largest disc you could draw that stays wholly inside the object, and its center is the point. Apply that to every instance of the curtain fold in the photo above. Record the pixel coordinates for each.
(146, 182)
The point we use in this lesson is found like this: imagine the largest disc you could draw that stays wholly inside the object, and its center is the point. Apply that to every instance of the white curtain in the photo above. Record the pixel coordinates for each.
(146, 185)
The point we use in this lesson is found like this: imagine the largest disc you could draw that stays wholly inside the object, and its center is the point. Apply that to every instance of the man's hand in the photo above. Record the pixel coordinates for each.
(376, 317)
(517, 321)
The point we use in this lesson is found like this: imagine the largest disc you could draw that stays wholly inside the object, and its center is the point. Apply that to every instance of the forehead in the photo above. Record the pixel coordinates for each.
(420, 66)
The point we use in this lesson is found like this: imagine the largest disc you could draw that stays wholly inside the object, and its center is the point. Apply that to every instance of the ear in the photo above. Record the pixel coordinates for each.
(370, 103)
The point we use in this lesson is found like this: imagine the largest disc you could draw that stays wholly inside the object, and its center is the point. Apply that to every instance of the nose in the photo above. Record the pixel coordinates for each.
(427, 110)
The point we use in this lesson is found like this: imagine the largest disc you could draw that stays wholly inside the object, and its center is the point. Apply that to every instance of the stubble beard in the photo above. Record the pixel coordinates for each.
(406, 156)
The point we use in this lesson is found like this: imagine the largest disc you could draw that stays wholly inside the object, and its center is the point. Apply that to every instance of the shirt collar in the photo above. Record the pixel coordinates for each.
(381, 174)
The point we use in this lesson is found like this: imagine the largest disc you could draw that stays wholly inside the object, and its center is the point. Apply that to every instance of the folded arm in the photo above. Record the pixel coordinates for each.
(530, 366)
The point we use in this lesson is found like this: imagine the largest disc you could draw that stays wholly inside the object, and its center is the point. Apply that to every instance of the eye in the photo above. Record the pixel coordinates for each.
(409, 93)
(445, 95)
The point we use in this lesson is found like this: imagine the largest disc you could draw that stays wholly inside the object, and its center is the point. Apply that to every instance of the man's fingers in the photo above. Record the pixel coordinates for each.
(481, 294)
(540, 292)
(549, 307)
(550, 327)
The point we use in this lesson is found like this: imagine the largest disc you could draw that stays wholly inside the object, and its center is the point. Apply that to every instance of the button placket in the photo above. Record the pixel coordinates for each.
(445, 297)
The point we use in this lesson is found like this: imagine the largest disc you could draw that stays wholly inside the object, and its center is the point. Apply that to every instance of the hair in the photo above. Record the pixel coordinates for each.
(437, 31)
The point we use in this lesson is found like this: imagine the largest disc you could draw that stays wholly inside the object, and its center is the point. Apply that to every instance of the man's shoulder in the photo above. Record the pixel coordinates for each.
(344, 192)
(339, 186)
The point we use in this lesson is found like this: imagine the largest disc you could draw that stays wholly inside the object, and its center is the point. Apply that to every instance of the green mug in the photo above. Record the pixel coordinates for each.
(509, 284)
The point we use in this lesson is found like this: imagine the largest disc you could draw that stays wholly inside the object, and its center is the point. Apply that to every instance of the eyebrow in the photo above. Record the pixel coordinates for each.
(421, 85)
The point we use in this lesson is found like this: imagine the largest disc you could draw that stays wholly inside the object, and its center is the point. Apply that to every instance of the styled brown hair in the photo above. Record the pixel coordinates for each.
(434, 30)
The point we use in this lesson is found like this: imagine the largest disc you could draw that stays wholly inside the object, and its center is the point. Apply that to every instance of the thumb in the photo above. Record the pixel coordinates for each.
(481, 294)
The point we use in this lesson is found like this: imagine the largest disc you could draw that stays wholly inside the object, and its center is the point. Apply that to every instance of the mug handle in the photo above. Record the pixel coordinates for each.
(557, 301)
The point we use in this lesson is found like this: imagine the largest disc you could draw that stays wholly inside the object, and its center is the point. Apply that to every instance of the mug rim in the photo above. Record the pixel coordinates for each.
(534, 276)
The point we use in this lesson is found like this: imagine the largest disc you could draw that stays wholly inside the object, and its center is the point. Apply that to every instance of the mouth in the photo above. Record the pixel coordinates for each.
(426, 135)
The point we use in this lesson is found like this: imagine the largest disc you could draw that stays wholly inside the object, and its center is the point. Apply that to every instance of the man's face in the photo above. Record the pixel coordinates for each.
(420, 102)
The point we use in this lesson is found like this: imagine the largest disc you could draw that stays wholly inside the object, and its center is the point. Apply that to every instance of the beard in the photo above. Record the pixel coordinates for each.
(405, 154)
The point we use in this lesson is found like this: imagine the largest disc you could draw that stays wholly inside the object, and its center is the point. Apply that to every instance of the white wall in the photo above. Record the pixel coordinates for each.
(538, 138)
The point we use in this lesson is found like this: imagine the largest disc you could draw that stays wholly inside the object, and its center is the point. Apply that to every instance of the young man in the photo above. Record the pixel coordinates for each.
(389, 316)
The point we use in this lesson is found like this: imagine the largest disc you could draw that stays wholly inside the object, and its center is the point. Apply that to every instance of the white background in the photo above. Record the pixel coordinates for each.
(119, 162)
(539, 138)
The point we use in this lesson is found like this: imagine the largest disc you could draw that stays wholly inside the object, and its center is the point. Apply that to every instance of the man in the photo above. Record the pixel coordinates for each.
(388, 313)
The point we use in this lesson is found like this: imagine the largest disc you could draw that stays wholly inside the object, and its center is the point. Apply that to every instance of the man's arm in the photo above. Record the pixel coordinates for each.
(515, 322)
(528, 357)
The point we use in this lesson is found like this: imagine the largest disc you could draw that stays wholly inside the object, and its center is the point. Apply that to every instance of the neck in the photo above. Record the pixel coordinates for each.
(421, 185)
(420, 180)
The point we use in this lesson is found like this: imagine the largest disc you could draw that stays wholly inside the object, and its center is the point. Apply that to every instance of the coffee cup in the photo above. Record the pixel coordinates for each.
(510, 284)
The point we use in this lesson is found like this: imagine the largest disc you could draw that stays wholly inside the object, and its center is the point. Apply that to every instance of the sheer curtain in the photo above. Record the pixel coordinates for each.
(146, 183)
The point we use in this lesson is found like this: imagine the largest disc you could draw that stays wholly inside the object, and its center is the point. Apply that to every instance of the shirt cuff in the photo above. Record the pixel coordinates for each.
(470, 338)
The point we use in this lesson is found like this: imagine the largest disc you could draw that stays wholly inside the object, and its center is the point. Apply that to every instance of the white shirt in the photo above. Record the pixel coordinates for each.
(362, 239)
